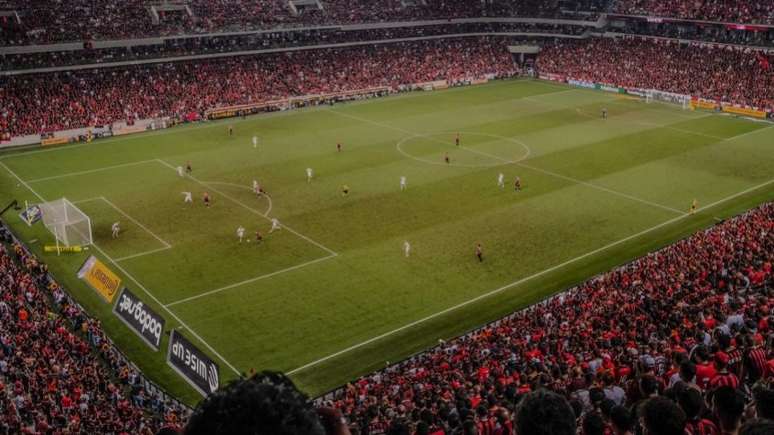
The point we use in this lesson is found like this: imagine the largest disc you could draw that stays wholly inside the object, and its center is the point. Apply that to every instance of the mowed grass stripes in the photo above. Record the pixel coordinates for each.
(332, 296)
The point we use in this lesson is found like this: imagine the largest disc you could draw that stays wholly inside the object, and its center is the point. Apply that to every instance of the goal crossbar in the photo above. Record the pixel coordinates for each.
(68, 223)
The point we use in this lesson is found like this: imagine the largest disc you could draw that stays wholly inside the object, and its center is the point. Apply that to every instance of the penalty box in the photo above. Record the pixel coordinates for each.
(188, 250)
(136, 239)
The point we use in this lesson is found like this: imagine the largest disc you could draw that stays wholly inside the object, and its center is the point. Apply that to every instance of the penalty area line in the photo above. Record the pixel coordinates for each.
(91, 171)
(248, 281)
(250, 209)
(136, 222)
(144, 253)
(521, 281)
(139, 284)
(166, 244)
(223, 183)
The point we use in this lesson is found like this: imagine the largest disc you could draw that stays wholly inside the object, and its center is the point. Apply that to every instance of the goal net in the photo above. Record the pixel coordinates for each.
(67, 222)
(668, 97)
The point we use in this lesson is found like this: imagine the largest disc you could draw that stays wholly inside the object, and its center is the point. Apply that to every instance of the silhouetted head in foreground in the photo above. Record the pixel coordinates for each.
(265, 404)
(544, 413)
(661, 416)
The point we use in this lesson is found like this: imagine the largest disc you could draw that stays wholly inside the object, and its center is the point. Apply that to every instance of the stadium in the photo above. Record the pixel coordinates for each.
(404, 217)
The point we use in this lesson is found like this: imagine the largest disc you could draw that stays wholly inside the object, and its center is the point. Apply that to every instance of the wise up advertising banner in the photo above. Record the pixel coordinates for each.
(192, 364)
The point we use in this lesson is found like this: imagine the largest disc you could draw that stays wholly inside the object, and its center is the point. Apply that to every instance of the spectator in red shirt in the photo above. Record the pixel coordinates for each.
(723, 378)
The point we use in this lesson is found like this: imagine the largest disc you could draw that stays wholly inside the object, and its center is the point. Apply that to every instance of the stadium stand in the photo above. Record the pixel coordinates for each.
(731, 74)
(738, 11)
(678, 342)
(41, 103)
(689, 323)
(208, 45)
(59, 372)
(37, 103)
(41, 22)
(679, 339)
(695, 31)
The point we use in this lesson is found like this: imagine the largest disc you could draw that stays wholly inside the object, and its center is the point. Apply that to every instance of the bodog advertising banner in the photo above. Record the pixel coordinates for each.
(100, 278)
(192, 364)
(139, 318)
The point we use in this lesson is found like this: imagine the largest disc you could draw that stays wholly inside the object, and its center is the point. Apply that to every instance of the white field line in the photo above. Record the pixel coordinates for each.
(718, 138)
(604, 189)
(211, 124)
(574, 180)
(21, 181)
(222, 183)
(139, 284)
(643, 123)
(749, 133)
(81, 201)
(141, 254)
(669, 127)
(707, 115)
(565, 91)
(248, 281)
(519, 163)
(91, 171)
(522, 280)
(163, 242)
(160, 132)
(681, 130)
(673, 110)
(587, 91)
(174, 316)
(252, 210)
(144, 253)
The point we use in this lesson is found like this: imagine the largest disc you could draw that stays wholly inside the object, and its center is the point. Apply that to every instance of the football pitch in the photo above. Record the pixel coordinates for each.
(332, 295)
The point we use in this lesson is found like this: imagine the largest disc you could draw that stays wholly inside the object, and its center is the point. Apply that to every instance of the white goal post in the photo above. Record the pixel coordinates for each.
(67, 222)
(652, 95)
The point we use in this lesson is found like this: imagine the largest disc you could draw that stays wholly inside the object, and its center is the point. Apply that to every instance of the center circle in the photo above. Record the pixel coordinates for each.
(501, 160)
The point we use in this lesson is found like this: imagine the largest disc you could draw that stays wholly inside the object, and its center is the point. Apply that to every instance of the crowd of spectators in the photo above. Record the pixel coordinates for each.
(736, 11)
(679, 341)
(205, 45)
(285, 39)
(695, 31)
(32, 104)
(728, 74)
(59, 373)
(44, 21)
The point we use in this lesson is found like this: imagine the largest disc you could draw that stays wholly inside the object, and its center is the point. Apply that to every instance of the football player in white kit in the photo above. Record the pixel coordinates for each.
(275, 225)
(240, 233)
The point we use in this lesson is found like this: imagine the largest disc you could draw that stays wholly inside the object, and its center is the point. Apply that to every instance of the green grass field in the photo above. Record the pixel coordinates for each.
(331, 296)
